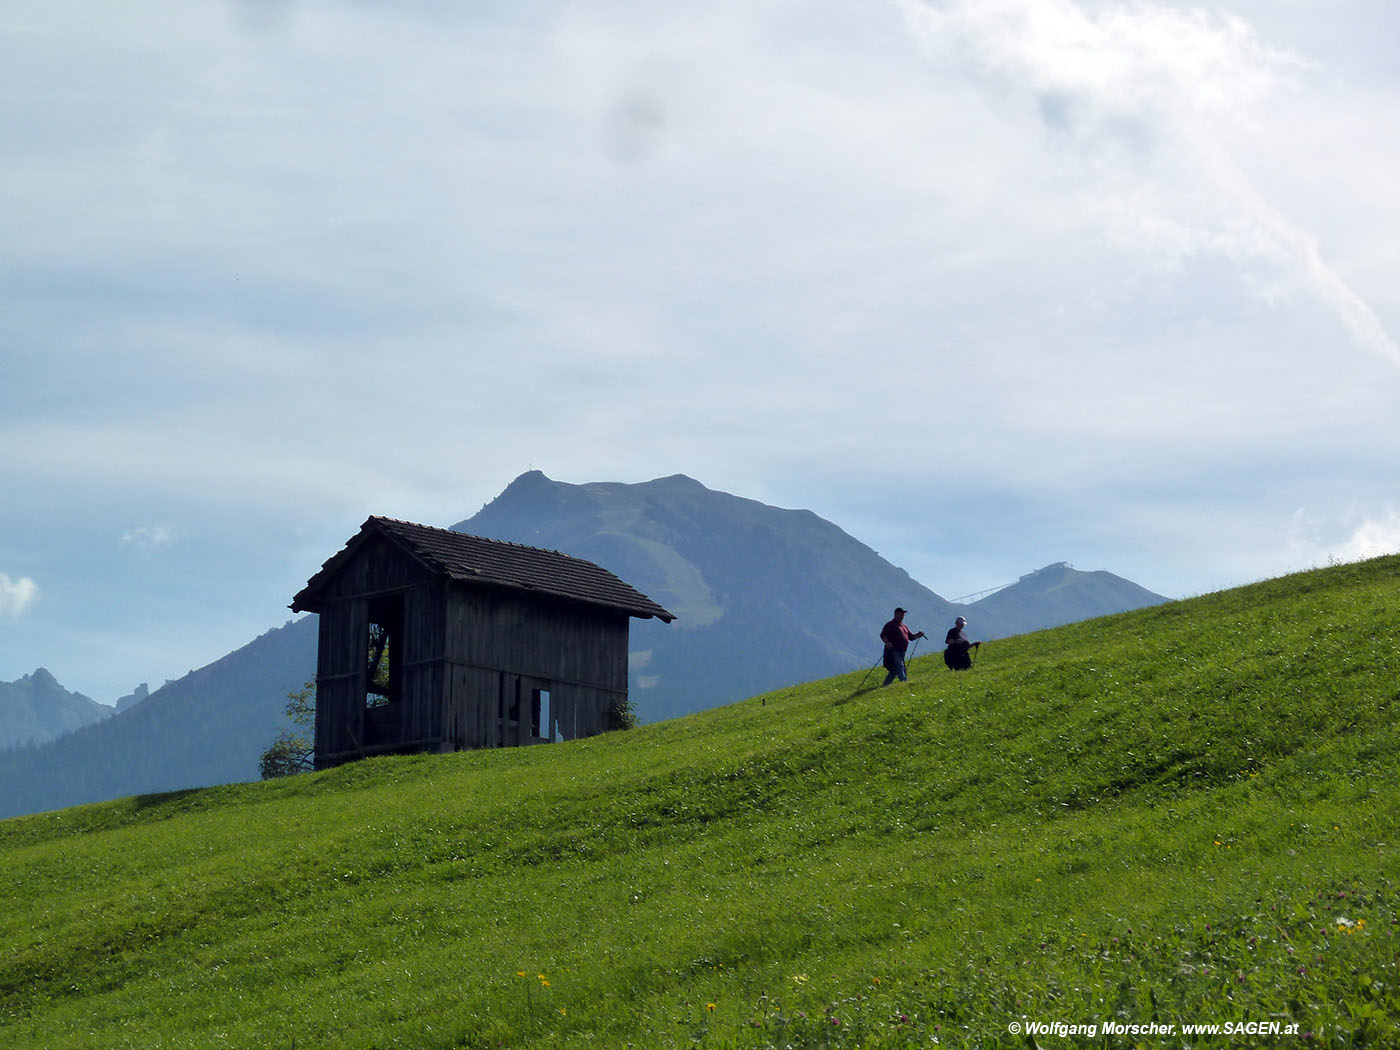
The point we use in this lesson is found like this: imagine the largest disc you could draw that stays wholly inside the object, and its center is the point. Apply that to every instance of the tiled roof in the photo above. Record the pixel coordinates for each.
(474, 559)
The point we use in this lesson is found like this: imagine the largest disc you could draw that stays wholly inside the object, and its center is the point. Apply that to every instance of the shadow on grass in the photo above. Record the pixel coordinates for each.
(161, 798)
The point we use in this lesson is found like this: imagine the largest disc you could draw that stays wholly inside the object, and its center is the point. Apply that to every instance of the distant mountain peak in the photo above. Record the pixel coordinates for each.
(1057, 567)
(677, 481)
(535, 480)
(36, 709)
(134, 697)
(531, 480)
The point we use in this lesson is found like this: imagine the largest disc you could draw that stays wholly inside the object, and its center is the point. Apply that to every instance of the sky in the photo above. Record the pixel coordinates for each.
(990, 284)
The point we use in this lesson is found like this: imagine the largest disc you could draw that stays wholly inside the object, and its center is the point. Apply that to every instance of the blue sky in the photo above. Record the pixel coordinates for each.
(988, 283)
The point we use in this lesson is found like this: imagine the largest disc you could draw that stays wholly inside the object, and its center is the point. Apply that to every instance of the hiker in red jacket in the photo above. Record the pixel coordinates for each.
(896, 638)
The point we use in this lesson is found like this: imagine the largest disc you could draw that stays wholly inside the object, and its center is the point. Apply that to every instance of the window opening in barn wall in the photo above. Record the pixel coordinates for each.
(512, 705)
(383, 656)
(542, 724)
(508, 706)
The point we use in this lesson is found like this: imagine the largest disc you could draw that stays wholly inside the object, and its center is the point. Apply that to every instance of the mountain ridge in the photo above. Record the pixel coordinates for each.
(35, 709)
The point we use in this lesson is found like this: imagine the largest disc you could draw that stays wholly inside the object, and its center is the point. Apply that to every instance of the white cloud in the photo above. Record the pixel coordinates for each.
(150, 538)
(1353, 536)
(1372, 538)
(1155, 110)
(16, 595)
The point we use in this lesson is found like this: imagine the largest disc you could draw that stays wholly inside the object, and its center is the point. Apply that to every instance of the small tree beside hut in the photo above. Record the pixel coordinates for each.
(293, 750)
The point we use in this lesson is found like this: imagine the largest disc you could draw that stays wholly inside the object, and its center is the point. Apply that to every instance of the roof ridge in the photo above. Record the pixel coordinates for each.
(478, 536)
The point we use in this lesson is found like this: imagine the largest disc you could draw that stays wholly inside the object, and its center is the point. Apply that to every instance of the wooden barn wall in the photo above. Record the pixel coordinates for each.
(538, 637)
(473, 711)
(421, 664)
(340, 697)
(471, 707)
(577, 653)
(344, 728)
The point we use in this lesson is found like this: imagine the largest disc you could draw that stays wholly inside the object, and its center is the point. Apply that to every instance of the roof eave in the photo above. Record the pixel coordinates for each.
(640, 612)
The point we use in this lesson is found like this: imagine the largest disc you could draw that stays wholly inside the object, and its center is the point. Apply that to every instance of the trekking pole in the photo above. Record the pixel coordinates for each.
(876, 664)
(912, 650)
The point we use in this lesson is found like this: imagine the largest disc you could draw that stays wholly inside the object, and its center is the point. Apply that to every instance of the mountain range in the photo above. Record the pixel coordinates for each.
(36, 709)
(764, 597)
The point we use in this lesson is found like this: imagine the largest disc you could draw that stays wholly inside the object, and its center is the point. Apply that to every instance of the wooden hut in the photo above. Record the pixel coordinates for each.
(433, 640)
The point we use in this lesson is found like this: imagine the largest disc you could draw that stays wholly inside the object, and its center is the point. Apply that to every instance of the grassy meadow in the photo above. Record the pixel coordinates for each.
(1185, 815)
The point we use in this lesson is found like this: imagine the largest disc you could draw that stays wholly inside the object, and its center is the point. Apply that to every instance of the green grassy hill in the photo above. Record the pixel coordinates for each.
(1183, 815)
